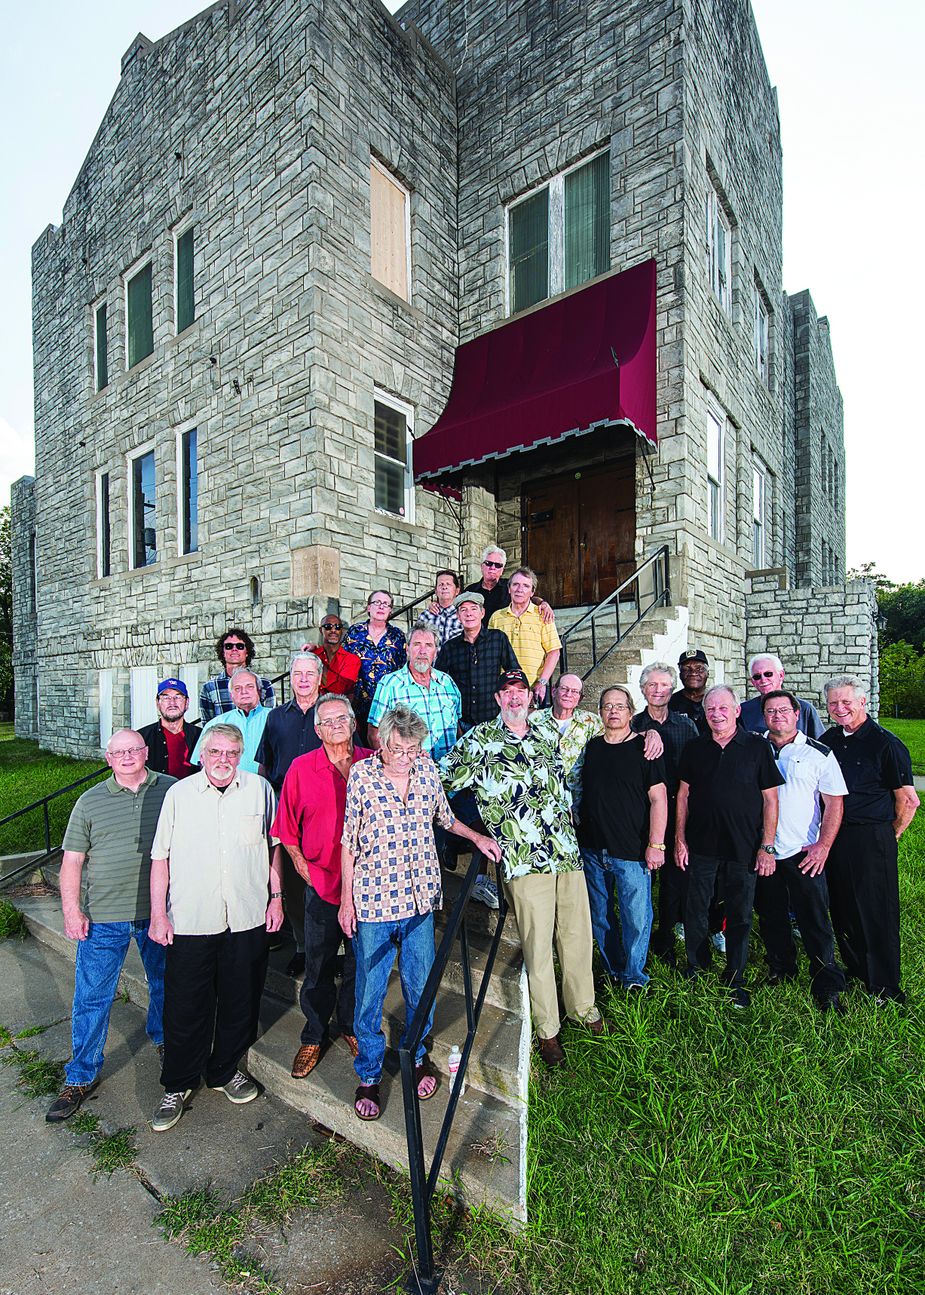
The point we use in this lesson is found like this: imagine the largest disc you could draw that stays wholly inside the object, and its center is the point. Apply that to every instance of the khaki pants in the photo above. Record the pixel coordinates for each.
(547, 906)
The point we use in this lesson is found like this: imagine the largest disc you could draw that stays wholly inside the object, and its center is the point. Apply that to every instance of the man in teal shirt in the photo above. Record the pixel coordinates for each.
(248, 715)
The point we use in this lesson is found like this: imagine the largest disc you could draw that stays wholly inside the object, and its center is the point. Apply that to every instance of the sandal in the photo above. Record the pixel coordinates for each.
(366, 1093)
(422, 1073)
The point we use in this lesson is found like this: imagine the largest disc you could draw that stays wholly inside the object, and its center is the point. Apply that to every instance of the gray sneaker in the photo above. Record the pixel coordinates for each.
(240, 1088)
(485, 891)
(170, 1111)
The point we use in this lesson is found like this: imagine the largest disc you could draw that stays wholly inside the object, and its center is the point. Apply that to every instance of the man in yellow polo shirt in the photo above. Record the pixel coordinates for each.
(536, 645)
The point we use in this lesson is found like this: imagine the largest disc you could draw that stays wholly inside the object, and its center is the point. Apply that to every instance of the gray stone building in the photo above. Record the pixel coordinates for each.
(339, 297)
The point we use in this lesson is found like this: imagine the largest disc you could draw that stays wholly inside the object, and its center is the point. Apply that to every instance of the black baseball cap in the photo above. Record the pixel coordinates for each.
(693, 654)
(513, 679)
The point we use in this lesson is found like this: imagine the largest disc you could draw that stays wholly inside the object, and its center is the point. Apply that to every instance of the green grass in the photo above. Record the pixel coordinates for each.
(912, 732)
(38, 1076)
(26, 775)
(12, 923)
(700, 1150)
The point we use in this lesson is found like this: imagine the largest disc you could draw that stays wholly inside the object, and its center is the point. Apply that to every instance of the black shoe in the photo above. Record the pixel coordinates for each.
(832, 1004)
(68, 1102)
(296, 965)
(781, 977)
(740, 997)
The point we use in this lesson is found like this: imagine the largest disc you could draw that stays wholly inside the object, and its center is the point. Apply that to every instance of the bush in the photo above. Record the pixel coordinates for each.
(902, 681)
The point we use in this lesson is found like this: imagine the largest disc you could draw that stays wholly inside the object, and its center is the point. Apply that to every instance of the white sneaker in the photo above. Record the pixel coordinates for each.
(170, 1111)
(679, 932)
(485, 891)
(718, 940)
(240, 1088)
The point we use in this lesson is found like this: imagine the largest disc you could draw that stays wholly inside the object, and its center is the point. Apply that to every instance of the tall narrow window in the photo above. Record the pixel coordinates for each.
(185, 296)
(189, 493)
(719, 249)
(101, 348)
(762, 336)
(33, 573)
(559, 236)
(394, 484)
(143, 511)
(140, 318)
(103, 534)
(390, 231)
(759, 488)
(714, 476)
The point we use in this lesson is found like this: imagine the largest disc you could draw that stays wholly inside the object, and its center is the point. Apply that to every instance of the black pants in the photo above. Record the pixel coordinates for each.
(863, 884)
(212, 990)
(788, 890)
(738, 889)
(320, 995)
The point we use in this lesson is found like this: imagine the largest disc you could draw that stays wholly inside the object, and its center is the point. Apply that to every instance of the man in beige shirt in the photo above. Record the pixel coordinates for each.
(216, 891)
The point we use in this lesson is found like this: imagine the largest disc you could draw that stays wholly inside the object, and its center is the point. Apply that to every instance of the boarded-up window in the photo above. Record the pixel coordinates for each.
(389, 231)
(140, 317)
(186, 301)
(102, 349)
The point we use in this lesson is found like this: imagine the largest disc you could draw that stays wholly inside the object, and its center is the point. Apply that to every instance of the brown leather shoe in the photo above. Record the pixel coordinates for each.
(352, 1045)
(306, 1059)
(596, 1027)
(551, 1051)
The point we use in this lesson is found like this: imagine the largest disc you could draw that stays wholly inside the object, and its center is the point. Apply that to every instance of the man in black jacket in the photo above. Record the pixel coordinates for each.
(170, 740)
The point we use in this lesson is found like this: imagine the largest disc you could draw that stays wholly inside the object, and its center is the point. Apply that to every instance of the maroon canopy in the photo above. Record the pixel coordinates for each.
(585, 361)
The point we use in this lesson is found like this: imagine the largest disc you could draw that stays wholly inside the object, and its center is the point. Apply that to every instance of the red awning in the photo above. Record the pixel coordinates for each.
(580, 363)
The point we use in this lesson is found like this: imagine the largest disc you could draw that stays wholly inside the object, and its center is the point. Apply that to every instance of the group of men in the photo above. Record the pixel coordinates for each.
(203, 839)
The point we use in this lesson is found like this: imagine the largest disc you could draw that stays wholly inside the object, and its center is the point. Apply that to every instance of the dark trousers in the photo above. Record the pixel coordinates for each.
(320, 995)
(863, 885)
(790, 890)
(738, 889)
(293, 897)
(212, 990)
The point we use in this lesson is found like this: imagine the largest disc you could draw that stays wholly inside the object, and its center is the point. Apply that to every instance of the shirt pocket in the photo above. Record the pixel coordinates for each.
(251, 829)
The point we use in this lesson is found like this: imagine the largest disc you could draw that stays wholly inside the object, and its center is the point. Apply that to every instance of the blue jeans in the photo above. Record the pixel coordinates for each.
(375, 945)
(624, 946)
(99, 961)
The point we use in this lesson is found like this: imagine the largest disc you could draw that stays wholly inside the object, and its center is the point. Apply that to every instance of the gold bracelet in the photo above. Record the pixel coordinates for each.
(653, 846)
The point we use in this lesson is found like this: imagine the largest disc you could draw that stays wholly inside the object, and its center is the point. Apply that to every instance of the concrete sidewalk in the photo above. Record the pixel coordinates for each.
(63, 1230)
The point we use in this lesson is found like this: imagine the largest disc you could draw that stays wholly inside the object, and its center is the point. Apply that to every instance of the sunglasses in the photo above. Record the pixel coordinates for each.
(332, 625)
(234, 647)
(497, 565)
(763, 674)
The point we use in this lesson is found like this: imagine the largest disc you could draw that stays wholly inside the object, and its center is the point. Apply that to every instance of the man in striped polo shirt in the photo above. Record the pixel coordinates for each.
(111, 829)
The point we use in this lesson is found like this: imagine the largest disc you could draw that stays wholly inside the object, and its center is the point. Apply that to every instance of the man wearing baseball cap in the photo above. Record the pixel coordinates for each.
(693, 668)
(170, 739)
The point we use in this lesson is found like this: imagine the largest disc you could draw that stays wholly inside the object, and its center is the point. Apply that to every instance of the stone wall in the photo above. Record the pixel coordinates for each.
(817, 632)
(24, 618)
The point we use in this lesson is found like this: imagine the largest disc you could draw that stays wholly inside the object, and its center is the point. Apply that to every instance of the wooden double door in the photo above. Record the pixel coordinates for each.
(579, 532)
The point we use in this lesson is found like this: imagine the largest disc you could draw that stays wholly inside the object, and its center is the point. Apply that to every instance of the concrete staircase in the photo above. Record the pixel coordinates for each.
(660, 636)
(485, 1161)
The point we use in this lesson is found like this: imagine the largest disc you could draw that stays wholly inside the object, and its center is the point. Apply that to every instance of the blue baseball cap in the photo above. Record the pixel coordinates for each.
(177, 684)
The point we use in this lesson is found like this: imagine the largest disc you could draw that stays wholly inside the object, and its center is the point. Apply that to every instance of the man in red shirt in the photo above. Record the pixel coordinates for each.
(341, 668)
(170, 739)
(308, 823)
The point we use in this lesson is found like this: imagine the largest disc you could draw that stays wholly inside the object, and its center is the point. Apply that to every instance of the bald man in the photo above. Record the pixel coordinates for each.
(110, 831)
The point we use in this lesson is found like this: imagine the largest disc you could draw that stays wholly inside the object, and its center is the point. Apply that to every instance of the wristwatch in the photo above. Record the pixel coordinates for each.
(768, 849)
(276, 894)
(653, 846)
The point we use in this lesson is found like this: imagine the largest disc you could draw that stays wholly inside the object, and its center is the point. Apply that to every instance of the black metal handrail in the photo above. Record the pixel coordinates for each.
(423, 1184)
(661, 595)
(409, 608)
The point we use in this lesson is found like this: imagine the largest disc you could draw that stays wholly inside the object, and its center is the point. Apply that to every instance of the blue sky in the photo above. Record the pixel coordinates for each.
(851, 99)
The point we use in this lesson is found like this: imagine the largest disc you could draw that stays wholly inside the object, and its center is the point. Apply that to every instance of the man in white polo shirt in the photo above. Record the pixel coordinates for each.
(813, 784)
(216, 890)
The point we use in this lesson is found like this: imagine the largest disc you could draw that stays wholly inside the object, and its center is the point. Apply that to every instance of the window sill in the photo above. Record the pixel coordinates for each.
(393, 299)
(391, 519)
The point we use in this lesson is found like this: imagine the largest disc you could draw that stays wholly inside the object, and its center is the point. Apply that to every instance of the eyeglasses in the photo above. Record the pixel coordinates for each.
(340, 721)
(332, 625)
(614, 705)
(126, 751)
(234, 647)
(783, 711)
(763, 674)
(496, 565)
(378, 602)
(568, 692)
(399, 753)
(229, 757)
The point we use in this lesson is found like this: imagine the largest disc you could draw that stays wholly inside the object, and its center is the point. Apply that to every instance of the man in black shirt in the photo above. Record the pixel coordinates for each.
(475, 660)
(688, 700)
(494, 587)
(726, 821)
(676, 730)
(623, 810)
(861, 869)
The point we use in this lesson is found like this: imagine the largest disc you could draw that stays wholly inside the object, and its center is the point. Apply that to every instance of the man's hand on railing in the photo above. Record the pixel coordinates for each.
(76, 924)
(488, 846)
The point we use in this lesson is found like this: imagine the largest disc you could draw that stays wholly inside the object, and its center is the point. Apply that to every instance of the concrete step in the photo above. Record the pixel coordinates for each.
(487, 1147)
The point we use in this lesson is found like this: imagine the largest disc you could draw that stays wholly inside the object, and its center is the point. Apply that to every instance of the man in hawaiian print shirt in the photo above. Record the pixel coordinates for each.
(516, 772)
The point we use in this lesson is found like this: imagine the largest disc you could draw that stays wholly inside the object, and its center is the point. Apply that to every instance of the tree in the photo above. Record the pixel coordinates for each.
(904, 609)
(902, 681)
(867, 571)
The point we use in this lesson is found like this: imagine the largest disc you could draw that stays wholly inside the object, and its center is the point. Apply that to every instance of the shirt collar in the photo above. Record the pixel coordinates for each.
(114, 787)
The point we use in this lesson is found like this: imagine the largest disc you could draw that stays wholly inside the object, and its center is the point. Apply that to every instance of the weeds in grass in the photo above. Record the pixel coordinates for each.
(6, 1037)
(311, 1180)
(112, 1151)
(31, 1031)
(38, 1076)
(12, 923)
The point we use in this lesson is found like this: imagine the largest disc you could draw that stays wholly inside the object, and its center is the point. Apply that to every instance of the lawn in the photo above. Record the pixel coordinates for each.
(912, 732)
(26, 774)
(700, 1149)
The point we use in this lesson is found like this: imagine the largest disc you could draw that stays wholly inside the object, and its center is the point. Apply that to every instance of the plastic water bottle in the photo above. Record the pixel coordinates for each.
(452, 1066)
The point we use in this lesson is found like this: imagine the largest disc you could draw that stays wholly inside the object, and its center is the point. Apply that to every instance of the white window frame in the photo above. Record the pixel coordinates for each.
(130, 458)
(191, 426)
(716, 484)
(98, 489)
(719, 268)
(403, 188)
(105, 706)
(555, 246)
(759, 515)
(762, 337)
(400, 406)
(178, 233)
(135, 268)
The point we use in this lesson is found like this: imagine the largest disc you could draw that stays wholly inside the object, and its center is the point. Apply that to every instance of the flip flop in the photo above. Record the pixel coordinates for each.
(366, 1093)
(422, 1072)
